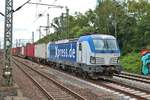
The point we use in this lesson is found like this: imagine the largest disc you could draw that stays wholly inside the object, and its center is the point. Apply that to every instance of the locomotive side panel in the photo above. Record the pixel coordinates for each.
(83, 52)
(62, 52)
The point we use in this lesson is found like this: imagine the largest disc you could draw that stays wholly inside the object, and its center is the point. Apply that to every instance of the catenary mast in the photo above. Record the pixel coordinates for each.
(7, 69)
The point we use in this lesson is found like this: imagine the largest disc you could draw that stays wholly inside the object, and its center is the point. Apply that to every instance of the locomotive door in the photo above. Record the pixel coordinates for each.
(80, 53)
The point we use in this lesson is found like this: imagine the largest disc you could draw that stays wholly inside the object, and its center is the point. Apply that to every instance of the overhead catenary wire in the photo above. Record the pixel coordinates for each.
(21, 6)
(57, 6)
(2, 14)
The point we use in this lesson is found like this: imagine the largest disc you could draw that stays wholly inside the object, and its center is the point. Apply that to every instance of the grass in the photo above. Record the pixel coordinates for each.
(131, 62)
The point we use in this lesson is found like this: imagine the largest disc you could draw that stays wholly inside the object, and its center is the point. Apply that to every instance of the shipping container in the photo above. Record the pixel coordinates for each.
(13, 50)
(25, 51)
(18, 50)
(22, 50)
(30, 50)
(41, 51)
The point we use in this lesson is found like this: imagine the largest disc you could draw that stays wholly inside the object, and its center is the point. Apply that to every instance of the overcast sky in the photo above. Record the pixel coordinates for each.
(26, 20)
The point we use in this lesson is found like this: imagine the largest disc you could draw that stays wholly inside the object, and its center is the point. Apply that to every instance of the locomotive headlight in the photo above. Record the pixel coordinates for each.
(114, 60)
(92, 60)
(118, 60)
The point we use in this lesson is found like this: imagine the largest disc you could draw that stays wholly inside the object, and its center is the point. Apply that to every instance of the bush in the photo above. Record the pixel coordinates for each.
(131, 62)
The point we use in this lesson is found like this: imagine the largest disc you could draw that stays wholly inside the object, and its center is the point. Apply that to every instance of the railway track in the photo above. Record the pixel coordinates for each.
(135, 75)
(57, 92)
(127, 90)
(135, 78)
(133, 92)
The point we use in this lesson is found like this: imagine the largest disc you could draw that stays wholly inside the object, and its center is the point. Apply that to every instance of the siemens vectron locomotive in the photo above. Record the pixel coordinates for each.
(92, 55)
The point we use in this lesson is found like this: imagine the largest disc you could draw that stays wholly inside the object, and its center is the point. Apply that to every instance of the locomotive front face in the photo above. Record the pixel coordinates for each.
(99, 53)
(98, 50)
(105, 52)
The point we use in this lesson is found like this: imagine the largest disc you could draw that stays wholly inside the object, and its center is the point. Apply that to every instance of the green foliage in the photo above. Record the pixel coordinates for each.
(131, 62)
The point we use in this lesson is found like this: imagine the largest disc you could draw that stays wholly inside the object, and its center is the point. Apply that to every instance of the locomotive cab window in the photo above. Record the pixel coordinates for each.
(112, 44)
(80, 47)
(99, 44)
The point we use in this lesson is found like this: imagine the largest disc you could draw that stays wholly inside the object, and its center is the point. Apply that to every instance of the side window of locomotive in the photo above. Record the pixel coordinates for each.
(80, 47)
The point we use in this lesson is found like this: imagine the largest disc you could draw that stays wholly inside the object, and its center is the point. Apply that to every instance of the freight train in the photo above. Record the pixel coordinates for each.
(145, 68)
(90, 55)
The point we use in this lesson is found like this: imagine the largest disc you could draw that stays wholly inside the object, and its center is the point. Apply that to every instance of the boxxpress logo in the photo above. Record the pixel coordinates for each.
(65, 52)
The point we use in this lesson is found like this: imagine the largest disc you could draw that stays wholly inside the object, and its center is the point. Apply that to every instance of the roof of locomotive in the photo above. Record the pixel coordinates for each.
(100, 36)
(95, 36)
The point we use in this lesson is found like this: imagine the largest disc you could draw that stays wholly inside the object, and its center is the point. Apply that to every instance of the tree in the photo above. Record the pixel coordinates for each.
(129, 22)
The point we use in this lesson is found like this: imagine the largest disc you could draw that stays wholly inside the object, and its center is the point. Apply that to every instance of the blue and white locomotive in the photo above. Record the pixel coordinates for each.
(91, 55)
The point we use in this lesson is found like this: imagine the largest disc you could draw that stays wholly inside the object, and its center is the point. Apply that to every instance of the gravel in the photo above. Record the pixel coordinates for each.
(26, 85)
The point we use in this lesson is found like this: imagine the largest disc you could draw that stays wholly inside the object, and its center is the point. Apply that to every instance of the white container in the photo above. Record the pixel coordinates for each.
(41, 51)
(22, 51)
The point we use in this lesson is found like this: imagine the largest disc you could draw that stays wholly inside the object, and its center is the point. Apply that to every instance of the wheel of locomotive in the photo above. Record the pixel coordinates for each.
(63, 67)
(118, 69)
(78, 72)
(44, 62)
(73, 71)
(85, 75)
(57, 66)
